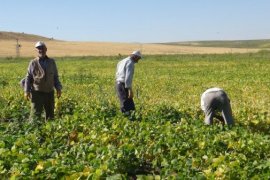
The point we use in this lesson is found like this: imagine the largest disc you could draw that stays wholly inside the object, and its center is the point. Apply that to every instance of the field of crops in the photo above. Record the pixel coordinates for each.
(164, 138)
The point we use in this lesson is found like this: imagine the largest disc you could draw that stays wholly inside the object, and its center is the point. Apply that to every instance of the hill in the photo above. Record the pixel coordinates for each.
(22, 36)
(58, 48)
(263, 43)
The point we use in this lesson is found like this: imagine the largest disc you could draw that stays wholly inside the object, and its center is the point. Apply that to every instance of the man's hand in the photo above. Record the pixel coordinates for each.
(130, 93)
(58, 93)
(27, 95)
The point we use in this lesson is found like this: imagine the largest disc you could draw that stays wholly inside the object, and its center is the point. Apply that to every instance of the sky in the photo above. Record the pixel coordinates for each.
(143, 21)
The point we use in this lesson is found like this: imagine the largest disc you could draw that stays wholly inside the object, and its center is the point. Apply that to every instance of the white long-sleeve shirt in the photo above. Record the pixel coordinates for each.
(125, 71)
(215, 89)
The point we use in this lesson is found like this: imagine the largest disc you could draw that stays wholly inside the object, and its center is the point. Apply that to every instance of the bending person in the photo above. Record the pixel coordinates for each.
(215, 100)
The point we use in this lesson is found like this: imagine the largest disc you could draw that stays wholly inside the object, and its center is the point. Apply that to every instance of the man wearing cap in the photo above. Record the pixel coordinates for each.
(215, 100)
(124, 76)
(41, 79)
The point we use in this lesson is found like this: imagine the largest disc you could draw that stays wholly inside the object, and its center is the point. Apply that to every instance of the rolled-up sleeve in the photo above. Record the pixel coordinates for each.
(129, 74)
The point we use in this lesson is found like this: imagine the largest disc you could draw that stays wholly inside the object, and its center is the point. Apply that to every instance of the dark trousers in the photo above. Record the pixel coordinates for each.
(126, 104)
(42, 100)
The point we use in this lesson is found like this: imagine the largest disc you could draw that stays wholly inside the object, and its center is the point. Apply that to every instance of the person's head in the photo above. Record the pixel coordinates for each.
(41, 49)
(136, 56)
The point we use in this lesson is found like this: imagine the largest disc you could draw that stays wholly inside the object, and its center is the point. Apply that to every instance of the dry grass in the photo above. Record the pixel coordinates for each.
(64, 48)
(21, 36)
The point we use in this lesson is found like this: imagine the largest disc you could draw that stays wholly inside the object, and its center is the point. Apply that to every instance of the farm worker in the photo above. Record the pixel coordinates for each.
(41, 79)
(215, 100)
(124, 77)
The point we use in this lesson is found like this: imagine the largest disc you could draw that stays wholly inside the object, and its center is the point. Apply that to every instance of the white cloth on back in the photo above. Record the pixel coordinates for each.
(215, 89)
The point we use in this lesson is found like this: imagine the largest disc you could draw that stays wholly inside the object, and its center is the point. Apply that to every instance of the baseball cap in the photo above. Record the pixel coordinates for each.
(40, 43)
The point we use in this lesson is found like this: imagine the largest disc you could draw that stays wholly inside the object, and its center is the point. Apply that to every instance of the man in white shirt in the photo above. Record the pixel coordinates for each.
(215, 100)
(124, 76)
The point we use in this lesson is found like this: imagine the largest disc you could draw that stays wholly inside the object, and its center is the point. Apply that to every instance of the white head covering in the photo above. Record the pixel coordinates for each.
(40, 43)
(137, 53)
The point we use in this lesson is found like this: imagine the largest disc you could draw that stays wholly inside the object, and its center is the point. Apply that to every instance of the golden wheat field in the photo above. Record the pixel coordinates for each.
(68, 48)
